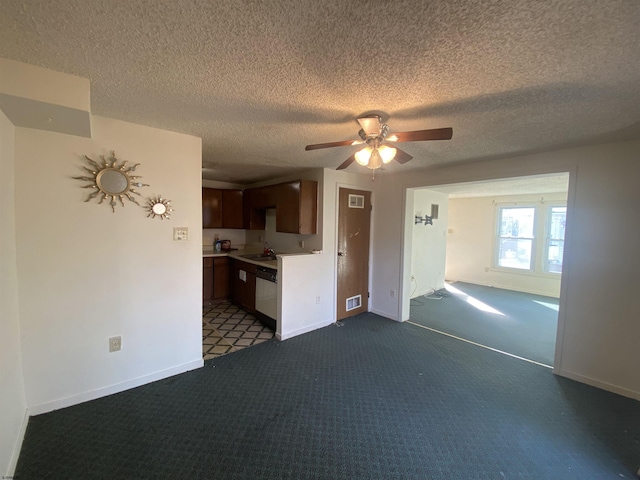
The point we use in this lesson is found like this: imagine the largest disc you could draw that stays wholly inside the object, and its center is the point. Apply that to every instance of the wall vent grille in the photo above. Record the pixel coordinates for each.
(354, 302)
(356, 201)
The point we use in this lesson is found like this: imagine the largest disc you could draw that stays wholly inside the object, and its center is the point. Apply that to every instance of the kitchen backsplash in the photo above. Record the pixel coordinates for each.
(237, 237)
(280, 242)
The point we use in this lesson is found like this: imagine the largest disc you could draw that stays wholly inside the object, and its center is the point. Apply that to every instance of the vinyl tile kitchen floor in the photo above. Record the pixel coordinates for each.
(228, 328)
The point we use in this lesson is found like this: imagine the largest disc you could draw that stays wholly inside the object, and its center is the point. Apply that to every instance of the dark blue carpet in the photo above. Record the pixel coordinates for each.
(524, 327)
(373, 399)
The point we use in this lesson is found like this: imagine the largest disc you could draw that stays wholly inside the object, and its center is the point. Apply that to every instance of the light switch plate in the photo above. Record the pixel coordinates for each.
(180, 233)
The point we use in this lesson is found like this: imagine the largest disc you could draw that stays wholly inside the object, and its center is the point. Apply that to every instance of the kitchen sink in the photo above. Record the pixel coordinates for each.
(259, 256)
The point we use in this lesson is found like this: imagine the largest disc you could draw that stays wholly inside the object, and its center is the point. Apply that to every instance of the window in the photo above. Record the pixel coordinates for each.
(554, 245)
(516, 237)
(518, 229)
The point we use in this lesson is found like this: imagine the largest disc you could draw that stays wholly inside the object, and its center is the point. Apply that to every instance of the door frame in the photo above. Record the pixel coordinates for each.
(351, 186)
(407, 245)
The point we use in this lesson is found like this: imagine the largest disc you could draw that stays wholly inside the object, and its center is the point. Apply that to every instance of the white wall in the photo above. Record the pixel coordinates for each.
(303, 278)
(428, 243)
(86, 274)
(598, 333)
(12, 396)
(471, 243)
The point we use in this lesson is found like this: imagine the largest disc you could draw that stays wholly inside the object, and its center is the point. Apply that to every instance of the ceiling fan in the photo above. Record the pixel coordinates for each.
(379, 149)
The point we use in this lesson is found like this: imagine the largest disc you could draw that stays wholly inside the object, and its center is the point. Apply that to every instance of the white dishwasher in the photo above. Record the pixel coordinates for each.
(267, 295)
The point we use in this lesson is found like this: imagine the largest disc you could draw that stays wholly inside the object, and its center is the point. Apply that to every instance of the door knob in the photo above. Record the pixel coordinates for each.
(342, 254)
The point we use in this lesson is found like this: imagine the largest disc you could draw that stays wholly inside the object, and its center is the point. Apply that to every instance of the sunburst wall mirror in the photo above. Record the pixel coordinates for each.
(159, 207)
(111, 181)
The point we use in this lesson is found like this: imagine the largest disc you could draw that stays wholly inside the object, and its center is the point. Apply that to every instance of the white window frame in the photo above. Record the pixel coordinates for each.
(539, 242)
(547, 236)
(533, 239)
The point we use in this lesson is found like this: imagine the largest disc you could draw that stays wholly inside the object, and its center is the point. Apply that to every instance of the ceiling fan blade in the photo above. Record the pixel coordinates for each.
(401, 156)
(347, 162)
(419, 135)
(318, 146)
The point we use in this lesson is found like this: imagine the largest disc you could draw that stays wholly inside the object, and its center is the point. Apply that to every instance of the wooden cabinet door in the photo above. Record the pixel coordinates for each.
(207, 279)
(297, 207)
(243, 293)
(220, 278)
(232, 209)
(211, 208)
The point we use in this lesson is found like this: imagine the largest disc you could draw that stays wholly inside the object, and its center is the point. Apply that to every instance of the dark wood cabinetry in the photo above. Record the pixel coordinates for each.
(297, 207)
(256, 201)
(215, 279)
(221, 208)
(207, 279)
(211, 208)
(220, 278)
(243, 293)
(232, 209)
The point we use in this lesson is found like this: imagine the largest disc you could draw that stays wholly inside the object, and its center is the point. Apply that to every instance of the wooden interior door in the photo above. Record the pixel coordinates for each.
(354, 220)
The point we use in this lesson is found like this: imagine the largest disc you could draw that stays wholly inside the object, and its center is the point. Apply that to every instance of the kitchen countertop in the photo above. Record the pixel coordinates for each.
(237, 254)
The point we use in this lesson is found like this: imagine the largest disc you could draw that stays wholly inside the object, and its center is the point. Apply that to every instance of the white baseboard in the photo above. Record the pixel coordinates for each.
(13, 461)
(306, 329)
(385, 314)
(625, 392)
(111, 389)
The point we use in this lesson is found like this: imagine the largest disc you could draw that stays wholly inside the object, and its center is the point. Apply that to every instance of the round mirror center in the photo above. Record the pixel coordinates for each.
(159, 209)
(112, 181)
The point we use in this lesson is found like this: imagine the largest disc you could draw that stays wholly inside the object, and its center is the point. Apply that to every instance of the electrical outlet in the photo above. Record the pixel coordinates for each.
(301, 242)
(180, 233)
(115, 344)
(318, 299)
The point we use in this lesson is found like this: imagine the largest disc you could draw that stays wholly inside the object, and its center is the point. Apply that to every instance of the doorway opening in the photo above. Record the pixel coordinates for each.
(488, 270)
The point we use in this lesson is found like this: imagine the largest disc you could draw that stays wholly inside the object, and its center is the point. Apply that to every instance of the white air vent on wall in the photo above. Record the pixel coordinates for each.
(356, 201)
(354, 302)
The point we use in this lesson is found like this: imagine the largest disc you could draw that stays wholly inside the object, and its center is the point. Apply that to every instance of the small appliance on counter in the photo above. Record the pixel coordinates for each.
(225, 245)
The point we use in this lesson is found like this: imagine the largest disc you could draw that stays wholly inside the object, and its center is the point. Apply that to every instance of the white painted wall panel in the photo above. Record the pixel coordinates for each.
(86, 274)
(599, 306)
(12, 396)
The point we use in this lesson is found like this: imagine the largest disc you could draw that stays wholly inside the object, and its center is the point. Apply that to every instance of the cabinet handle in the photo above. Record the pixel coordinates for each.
(342, 254)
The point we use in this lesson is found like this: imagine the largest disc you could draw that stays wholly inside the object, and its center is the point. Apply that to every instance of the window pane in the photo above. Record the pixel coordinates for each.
(515, 253)
(554, 256)
(555, 239)
(557, 222)
(517, 222)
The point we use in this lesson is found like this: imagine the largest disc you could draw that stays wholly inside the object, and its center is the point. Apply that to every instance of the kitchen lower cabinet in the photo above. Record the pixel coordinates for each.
(207, 279)
(243, 284)
(220, 278)
(215, 279)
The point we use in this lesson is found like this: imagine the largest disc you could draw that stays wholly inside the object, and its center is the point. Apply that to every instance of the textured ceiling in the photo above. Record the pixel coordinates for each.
(259, 80)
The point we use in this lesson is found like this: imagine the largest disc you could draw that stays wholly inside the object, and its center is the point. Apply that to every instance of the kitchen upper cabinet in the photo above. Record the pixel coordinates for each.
(297, 207)
(256, 201)
(221, 208)
(232, 209)
(211, 208)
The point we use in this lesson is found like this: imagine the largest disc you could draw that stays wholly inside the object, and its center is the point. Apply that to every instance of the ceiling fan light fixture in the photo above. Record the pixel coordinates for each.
(375, 160)
(363, 156)
(387, 153)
